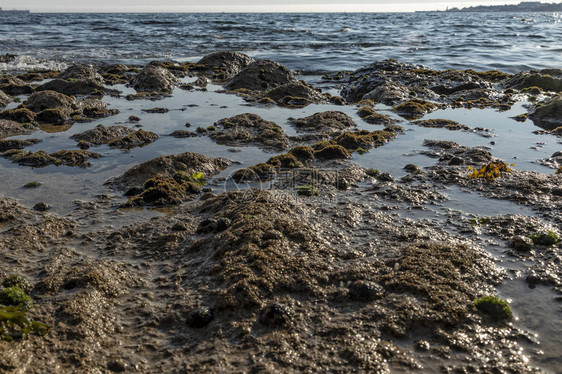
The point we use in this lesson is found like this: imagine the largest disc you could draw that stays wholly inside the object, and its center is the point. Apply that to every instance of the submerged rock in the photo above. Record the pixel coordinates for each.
(250, 129)
(261, 75)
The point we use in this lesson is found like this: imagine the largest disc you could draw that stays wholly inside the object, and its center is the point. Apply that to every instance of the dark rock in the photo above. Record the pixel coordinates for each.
(226, 64)
(275, 315)
(156, 110)
(385, 177)
(522, 243)
(207, 225)
(223, 224)
(133, 118)
(365, 291)
(117, 366)
(14, 86)
(41, 207)
(549, 114)
(200, 317)
(154, 79)
(261, 75)
(183, 134)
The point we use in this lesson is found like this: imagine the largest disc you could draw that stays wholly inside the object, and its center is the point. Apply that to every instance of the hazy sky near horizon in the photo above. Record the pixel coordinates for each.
(240, 6)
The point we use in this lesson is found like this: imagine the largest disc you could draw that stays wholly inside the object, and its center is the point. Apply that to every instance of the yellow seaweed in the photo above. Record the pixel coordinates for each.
(490, 171)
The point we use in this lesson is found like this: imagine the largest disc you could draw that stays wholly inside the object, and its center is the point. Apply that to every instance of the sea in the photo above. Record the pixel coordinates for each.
(309, 43)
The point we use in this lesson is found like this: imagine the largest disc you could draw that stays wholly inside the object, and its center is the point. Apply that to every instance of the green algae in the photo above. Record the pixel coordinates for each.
(545, 238)
(14, 323)
(494, 307)
(14, 296)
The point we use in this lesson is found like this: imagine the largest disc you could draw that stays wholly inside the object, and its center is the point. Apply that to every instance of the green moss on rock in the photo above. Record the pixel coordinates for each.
(494, 307)
(545, 238)
(14, 296)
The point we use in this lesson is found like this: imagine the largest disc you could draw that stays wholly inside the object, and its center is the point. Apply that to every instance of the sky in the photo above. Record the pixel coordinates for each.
(241, 6)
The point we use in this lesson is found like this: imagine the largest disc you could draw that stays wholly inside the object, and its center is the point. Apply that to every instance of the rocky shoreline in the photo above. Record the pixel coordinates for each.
(308, 262)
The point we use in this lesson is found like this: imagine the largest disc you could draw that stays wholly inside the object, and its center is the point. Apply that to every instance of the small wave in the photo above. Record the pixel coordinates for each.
(28, 63)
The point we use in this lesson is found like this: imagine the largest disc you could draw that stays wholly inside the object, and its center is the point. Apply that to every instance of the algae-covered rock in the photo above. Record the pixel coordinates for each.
(324, 121)
(549, 114)
(250, 129)
(103, 134)
(33, 159)
(21, 115)
(136, 139)
(40, 101)
(548, 80)
(73, 87)
(496, 308)
(14, 86)
(41, 158)
(75, 157)
(10, 128)
(154, 79)
(332, 152)
(364, 139)
(15, 296)
(16, 281)
(160, 191)
(225, 64)
(81, 71)
(289, 94)
(6, 145)
(261, 75)
(442, 123)
(167, 166)
(414, 108)
(4, 99)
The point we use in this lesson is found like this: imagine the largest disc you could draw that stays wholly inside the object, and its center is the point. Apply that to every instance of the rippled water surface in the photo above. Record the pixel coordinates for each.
(310, 42)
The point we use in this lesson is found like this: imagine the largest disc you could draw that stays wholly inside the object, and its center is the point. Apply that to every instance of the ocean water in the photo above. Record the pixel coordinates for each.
(307, 42)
